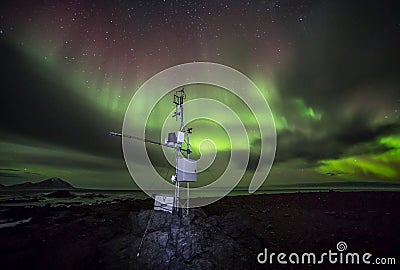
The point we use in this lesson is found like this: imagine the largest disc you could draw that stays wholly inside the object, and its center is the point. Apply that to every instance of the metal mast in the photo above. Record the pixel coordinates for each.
(179, 97)
(185, 168)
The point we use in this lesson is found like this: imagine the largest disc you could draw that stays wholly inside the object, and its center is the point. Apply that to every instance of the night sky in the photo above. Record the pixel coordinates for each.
(330, 71)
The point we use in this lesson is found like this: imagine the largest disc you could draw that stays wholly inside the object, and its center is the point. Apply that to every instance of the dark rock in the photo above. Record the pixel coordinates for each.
(94, 195)
(60, 194)
(234, 225)
(200, 264)
(26, 200)
(331, 213)
(193, 242)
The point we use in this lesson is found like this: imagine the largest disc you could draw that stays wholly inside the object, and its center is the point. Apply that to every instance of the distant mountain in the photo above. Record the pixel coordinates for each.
(51, 183)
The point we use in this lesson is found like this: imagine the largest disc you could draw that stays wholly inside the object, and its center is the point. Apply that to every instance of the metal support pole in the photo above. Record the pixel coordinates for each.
(178, 100)
(187, 184)
(187, 199)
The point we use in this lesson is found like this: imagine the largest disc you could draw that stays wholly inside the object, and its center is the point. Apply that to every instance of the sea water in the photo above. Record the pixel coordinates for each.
(88, 197)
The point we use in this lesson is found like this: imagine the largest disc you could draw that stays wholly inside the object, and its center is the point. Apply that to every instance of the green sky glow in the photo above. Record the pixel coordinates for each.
(385, 165)
(68, 76)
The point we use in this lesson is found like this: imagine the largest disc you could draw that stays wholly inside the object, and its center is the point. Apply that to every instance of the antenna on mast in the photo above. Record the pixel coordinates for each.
(185, 168)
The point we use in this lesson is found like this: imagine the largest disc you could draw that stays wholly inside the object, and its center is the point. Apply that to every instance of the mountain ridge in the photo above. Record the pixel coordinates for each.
(50, 183)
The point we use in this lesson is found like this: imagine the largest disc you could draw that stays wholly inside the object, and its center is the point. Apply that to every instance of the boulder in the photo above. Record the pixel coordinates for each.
(191, 242)
(60, 194)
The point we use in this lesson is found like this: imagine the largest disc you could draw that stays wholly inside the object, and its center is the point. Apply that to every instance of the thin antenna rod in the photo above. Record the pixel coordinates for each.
(139, 139)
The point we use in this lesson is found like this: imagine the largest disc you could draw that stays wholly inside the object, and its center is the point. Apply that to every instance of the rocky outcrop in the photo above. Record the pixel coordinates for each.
(160, 240)
(60, 194)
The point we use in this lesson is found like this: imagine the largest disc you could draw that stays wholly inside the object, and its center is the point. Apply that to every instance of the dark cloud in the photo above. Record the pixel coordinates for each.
(42, 108)
(348, 44)
(336, 141)
(358, 130)
(16, 173)
(335, 66)
(4, 174)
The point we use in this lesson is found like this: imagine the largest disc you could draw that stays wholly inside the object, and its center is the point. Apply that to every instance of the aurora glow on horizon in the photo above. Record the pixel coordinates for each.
(329, 70)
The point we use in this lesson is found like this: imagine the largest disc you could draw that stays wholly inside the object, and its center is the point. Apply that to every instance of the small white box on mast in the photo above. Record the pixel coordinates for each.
(181, 137)
(187, 170)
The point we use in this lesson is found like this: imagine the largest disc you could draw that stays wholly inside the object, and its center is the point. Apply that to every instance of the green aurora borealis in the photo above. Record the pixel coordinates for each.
(329, 71)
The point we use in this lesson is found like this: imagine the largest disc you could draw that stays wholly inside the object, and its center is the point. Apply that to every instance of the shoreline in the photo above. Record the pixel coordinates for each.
(97, 236)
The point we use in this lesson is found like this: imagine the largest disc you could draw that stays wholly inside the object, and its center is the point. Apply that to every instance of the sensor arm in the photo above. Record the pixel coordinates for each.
(111, 133)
